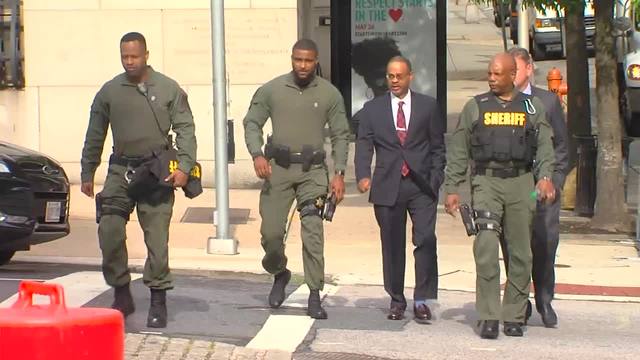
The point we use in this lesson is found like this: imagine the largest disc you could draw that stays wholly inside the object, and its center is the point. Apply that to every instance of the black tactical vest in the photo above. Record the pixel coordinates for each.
(504, 133)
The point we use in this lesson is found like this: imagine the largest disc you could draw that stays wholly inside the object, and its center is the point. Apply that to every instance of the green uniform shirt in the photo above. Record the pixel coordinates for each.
(458, 150)
(298, 117)
(121, 105)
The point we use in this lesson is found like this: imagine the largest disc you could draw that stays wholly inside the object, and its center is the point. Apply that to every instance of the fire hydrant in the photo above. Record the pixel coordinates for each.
(555, 83)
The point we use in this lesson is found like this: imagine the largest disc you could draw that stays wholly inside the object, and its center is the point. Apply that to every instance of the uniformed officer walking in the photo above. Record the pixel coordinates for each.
(546, 222)
(141, 106)
(299, 105)
(500, 133)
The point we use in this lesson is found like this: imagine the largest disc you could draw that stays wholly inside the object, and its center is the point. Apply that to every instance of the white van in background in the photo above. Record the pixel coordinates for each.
(629, 68)
(545, 29)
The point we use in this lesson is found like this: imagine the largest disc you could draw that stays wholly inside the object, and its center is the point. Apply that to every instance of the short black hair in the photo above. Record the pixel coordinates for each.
(134, 36)
(402, 59)
(305, 44)
(520, 53)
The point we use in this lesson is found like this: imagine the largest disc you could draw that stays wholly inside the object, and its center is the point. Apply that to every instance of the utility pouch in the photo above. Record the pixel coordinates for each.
(98, 198)
(282, 156)
(194, 184)
(468, 219)
(163, 163)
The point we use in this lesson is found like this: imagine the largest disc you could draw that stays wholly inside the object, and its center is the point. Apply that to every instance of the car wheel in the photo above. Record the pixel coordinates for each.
(538, 52)
(5, 256)
(633, 125)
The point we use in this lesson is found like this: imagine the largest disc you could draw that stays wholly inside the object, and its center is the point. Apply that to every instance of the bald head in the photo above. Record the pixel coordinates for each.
(504, 60)
(501, 74)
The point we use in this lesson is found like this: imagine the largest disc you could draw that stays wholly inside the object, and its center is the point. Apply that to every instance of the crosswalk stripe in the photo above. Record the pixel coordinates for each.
(286, 332)
(79, 288)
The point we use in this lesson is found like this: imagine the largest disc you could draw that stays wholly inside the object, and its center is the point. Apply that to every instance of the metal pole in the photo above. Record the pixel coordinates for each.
(503, 27)
(523, 26)
(222, 243)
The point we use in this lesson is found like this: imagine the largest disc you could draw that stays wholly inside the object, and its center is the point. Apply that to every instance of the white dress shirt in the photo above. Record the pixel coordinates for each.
(527, 90)
(406, 108)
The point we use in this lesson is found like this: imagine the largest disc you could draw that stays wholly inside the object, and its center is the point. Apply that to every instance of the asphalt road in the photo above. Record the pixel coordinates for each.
(231, 308)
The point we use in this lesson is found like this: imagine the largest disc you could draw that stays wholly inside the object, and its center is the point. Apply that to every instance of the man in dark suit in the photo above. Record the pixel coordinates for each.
(406, 130)
(546, 222)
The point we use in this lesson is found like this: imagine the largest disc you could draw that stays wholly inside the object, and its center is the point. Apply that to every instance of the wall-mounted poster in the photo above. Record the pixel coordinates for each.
(382, 29)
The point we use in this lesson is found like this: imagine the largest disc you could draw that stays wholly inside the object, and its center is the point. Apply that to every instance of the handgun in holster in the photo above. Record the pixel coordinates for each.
(98, 207)
(307, 157)
(468, 219)
(268, 148)
(329, 207)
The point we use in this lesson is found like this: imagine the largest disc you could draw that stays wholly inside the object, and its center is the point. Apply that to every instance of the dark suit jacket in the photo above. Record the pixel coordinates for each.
(555, 117)
(423, 149)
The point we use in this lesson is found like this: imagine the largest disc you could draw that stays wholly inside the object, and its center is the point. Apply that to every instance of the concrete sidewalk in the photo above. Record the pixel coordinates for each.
(600, 265)
(588, 266)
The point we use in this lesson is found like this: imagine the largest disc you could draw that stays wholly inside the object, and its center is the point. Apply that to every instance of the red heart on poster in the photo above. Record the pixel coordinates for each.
(395, 14)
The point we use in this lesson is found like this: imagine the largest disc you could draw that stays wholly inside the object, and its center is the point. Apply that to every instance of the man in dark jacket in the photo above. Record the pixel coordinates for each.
(406, 130)
(546, 222)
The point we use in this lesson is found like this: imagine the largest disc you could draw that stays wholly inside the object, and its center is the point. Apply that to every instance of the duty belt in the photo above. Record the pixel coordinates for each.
(132, 161)
(298, 158)
(503, 173)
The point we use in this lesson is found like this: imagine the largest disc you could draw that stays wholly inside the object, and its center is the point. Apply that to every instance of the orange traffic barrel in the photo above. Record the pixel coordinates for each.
(53, 331)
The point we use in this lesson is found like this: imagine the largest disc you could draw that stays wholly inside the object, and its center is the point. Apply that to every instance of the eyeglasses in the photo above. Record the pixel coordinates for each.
(398, 77)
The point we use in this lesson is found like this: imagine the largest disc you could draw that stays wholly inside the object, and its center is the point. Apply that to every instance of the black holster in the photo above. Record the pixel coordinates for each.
(311, 157)
(282, 156)
(468, 219)
(98, 207)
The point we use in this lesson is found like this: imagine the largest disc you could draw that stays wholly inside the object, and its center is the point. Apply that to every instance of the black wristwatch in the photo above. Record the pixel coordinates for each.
(340, 172)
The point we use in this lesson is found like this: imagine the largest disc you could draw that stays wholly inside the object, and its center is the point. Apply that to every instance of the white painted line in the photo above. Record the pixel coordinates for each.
(79, 288)
(18, 279)
(282, 332)
(286, 332)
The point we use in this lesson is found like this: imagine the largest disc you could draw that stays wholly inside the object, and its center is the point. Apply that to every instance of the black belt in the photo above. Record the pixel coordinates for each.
(503, 173)
(296, 158)
(127, 160)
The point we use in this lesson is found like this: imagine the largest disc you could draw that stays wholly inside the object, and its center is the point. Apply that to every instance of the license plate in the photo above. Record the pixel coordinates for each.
(52, 211)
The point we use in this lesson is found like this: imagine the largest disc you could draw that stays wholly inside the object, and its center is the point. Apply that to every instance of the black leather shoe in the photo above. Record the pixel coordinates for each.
(422, 314)
(396, 313)
(123, 301)
(527, 313)
(549, 317)
(280, 281)
(513, 329)
(315, 309)
(158, 310)
(489, 329)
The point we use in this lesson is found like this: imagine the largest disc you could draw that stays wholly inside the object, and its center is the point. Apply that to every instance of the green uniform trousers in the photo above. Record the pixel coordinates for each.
(276, 198)
(510, 199)
(154, 220)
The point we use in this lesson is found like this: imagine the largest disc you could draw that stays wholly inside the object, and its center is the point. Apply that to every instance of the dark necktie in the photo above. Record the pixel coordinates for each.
(401, 130)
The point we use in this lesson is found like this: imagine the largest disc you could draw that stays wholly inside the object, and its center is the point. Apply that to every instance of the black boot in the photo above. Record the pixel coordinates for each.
(123, 301)
(280, 281)
(158, 310)
(314, 308)
(489, 329)
(513, 329)
(527, 313)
